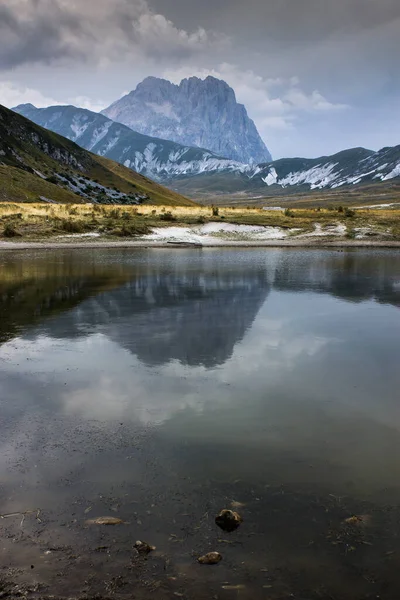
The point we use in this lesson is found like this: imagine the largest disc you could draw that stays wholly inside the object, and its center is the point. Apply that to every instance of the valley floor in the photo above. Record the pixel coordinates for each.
(37, 225)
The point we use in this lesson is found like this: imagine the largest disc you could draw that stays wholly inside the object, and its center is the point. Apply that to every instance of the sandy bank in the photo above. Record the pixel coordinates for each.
(288, 243)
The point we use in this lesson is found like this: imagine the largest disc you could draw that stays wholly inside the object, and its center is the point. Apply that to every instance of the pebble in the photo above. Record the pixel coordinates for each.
(212, 558)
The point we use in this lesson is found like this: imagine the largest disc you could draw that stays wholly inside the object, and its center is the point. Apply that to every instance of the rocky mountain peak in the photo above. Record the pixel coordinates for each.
(197, 112)
(22, 107)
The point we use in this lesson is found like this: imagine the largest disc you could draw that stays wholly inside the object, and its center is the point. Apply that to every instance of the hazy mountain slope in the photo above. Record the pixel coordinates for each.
(197, 112)
(293, 175)
(154, 157)
(35, 162)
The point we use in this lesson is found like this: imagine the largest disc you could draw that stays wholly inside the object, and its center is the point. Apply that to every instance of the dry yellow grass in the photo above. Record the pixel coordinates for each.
(36, 221)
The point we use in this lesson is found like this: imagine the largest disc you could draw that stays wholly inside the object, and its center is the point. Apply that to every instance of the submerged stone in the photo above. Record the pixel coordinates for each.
(144, 547)
(212, 558)
(228, 520)
(105, 521)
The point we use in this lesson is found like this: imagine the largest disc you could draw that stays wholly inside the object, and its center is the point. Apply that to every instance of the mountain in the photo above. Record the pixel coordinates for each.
(197, 172)
(348, 167)
(36, 164)
(154, 157)
(196, 112)
(345, 169)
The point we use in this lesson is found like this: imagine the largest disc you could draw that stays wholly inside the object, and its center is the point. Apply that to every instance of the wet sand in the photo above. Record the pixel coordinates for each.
(292, 243)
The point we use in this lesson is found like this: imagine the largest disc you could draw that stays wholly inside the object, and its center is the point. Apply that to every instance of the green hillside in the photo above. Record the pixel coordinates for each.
(39, 165)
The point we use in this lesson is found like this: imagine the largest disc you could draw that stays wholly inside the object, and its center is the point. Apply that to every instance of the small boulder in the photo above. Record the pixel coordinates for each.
(228, 520)
(212, 558)
(144, 547)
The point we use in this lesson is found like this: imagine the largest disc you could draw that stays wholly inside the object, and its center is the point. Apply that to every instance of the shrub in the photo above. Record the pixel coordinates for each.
(10, 231)
(128, 230)
(52, 179)
(349, 213)
(71, 226)
(340, 209)
(288, 213)
(215, 211)
(167, 216)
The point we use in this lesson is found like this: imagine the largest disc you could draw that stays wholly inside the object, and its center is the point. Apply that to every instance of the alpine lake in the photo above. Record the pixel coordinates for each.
(151, 389)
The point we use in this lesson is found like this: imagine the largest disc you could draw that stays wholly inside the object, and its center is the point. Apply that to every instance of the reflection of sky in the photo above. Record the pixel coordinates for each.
(292, 333)
(310, 389)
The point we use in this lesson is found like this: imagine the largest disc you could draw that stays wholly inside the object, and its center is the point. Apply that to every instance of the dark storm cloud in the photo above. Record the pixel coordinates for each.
(284, 20)
(324, 42)
(25, 39)
(315, 75)
(46, 30)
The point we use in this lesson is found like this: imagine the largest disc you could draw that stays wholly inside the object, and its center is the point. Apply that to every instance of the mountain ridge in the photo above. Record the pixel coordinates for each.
(40, 165)
(157, 158)
(346, 169)
(191, 170)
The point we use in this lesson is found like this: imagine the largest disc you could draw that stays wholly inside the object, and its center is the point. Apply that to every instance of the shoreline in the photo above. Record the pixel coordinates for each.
(309, 243)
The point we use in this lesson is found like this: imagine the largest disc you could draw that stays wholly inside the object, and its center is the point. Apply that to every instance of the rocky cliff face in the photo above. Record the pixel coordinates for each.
(197, 112)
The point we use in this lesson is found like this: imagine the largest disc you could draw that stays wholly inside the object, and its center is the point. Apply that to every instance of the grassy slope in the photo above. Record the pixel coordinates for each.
(237, 195)
(26, 148)
(158, 193)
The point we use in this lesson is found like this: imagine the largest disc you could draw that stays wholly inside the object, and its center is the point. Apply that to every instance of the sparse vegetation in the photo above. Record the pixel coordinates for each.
(288, 213)
(10, 231)
(167, 216)
(35, 221)
(349, 213)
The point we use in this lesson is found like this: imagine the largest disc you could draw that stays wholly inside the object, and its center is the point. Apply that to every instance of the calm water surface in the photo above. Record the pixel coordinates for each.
(161, 386)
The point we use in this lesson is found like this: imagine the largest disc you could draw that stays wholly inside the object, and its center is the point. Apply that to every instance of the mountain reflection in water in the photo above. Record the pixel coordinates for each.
(157, 306)
(160, 386)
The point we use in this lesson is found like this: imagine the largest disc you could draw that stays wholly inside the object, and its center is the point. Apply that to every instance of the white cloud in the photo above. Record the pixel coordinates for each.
(12, 95)
(314, 101)
(274, 104)
(88, 103)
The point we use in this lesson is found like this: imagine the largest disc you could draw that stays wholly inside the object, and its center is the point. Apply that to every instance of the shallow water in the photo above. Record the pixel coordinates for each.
(161, 386)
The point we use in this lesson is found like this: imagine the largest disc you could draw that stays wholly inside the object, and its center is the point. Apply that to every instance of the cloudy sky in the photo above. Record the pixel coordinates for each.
(317, 76)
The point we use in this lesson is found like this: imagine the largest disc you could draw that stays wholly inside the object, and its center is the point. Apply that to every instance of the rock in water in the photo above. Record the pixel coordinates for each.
(105, 521)
(212, 558)
(228, 520)
(144, 547)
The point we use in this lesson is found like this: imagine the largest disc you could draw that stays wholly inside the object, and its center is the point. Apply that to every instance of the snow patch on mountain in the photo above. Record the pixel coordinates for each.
(271, 178)
(79, 125)
(99, 134)
(392, 174)
(318, 177)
